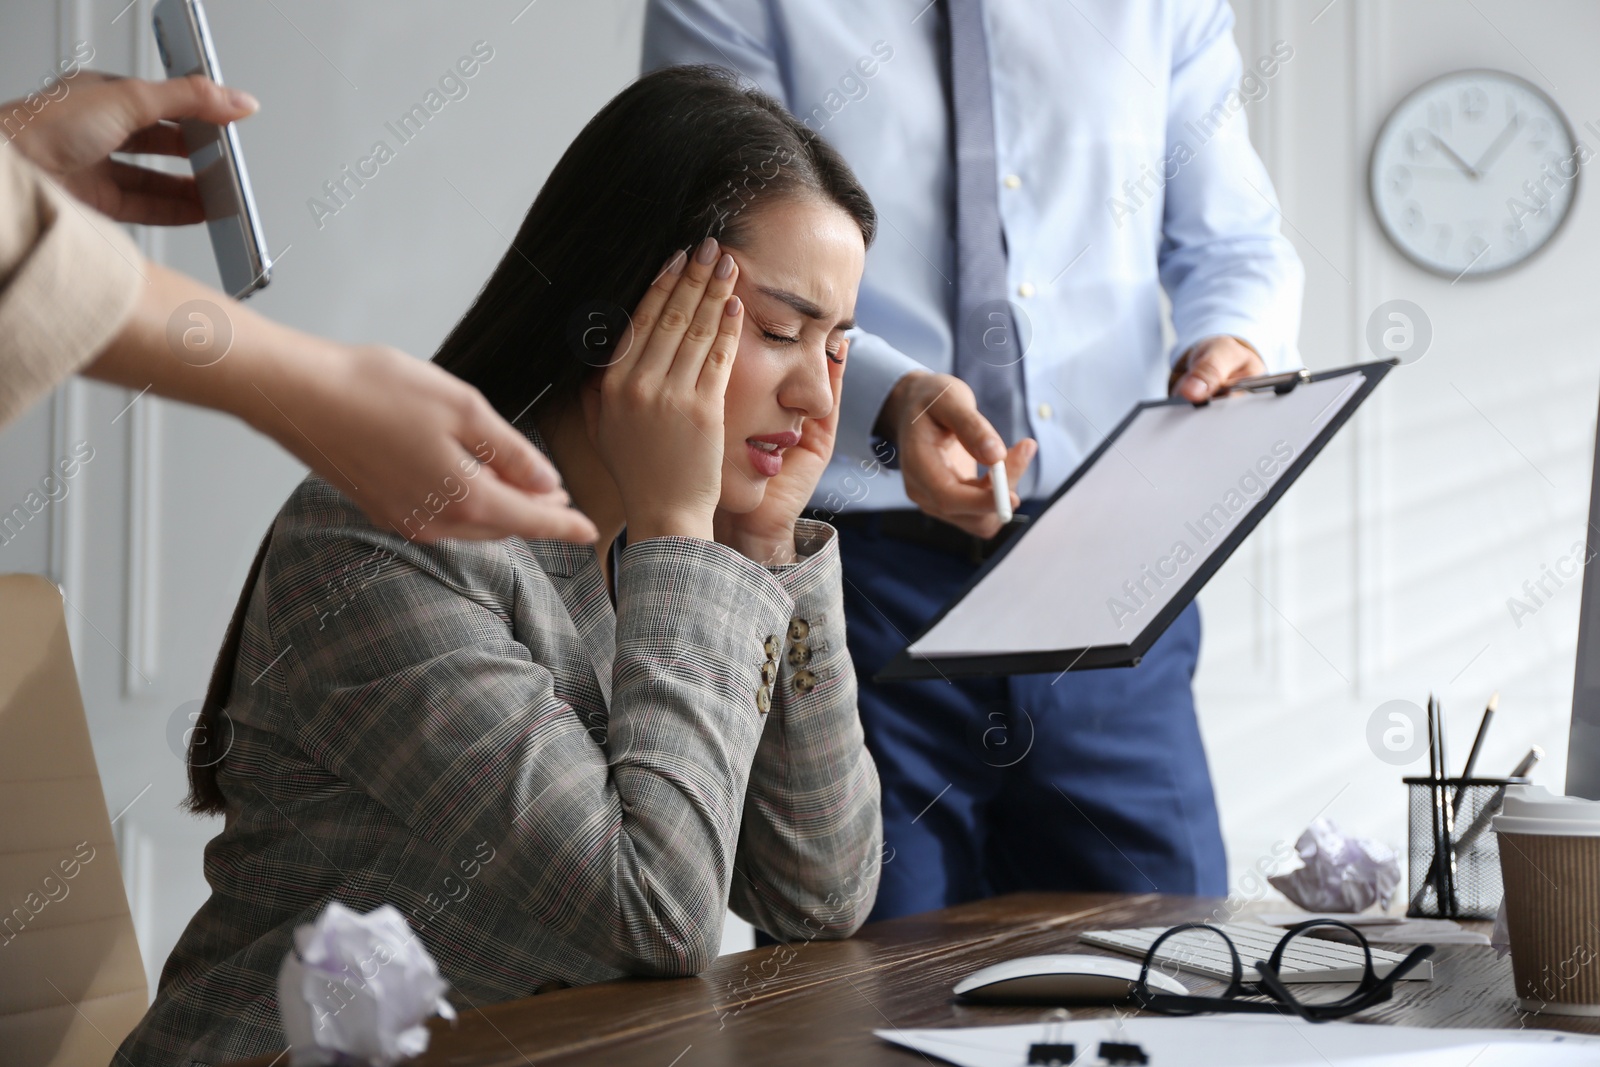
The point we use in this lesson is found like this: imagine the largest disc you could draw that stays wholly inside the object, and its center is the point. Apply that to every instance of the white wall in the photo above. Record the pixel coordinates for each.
(1384, 574)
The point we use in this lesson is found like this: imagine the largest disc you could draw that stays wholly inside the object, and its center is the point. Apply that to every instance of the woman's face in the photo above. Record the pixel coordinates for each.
(800, 263)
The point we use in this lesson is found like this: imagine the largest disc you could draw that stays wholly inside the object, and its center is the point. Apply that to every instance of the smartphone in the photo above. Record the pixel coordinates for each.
(184, 41)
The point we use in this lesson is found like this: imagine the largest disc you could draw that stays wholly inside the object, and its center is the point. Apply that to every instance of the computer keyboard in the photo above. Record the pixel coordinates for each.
(1308, 959)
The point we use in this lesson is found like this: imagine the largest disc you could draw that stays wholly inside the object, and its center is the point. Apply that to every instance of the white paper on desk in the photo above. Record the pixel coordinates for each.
(1259, 1041)
(1178, 475)
(1393, 929)
(1363, 919)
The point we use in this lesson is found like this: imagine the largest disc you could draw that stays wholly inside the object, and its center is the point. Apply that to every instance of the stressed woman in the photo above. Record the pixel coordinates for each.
(563, 763)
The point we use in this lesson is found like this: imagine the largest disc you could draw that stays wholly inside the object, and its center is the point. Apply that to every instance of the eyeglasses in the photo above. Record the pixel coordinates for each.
(1369, 991)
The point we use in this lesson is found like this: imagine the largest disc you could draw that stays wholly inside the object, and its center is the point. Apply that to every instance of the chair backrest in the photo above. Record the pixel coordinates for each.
(72, 984)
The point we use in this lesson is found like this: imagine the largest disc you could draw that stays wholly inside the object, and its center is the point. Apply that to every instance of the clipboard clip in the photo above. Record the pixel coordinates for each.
(1278, 383)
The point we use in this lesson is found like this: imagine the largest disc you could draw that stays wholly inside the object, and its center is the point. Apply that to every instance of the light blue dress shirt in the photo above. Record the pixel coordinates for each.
(1125, 167)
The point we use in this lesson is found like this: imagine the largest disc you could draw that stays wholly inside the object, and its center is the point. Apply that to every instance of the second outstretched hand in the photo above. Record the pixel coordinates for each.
(420, 451)
(657, 419)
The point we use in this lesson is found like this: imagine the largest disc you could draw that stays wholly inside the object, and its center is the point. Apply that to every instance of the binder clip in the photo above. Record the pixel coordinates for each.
(1112, 1054)
(1048, 1055)
(1052, 1051)
(1278, 383)
(1122, 1054)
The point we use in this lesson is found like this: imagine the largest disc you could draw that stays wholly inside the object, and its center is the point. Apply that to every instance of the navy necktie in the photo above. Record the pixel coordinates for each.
(988, 348)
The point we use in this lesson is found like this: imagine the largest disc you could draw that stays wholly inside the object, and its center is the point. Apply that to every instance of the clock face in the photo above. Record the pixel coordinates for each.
(1474, 172)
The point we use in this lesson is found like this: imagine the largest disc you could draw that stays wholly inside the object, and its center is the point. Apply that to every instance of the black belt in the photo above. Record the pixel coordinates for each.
(906, 524)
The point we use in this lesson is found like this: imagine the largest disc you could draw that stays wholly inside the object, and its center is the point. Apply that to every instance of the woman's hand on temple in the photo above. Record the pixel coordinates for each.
(766, 534)
(658, 420)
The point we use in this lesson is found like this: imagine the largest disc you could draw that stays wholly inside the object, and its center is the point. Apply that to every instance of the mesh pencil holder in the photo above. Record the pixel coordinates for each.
(1472, 883)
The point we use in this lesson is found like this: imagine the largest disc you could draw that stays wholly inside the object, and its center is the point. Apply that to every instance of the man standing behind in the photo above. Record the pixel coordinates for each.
(1043, 171)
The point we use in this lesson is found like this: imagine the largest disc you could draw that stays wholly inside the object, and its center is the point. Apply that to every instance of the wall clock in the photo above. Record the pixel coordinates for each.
(1474, 172)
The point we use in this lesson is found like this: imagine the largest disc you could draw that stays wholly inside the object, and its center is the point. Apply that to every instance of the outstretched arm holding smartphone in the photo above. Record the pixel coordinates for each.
(75, 295)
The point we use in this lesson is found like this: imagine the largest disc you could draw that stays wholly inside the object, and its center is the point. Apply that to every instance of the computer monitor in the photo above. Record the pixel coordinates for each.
(1583, 742)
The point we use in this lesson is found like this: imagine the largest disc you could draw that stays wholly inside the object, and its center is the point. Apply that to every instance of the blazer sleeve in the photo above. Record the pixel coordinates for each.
(621, 842)
(809, 855)
(69, 277)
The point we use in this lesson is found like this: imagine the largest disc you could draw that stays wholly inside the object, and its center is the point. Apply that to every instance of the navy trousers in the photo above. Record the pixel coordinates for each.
(1087, 781)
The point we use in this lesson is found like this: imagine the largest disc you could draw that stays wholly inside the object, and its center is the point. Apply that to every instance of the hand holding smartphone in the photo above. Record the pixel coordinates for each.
(184, 41)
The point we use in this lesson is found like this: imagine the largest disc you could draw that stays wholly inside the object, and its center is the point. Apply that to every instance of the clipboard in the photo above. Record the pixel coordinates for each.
(1138, 529)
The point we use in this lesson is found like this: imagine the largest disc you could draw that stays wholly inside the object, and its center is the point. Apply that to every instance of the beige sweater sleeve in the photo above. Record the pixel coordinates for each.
(69, 277)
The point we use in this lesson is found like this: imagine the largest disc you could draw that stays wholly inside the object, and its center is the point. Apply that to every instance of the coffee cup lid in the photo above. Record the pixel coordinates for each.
(1533, 809)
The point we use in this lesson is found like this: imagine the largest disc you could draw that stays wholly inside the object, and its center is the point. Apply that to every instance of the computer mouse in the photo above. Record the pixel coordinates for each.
(1068, 978)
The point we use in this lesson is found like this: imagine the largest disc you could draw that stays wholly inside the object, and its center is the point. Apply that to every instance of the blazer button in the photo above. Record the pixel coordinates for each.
(772, 646)
(798, 629)
(799, 655)
(804, 681)
(763, 700)
(769, 673)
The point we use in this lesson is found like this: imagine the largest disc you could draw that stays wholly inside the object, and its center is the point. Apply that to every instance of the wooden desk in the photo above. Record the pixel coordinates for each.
(819, 1002)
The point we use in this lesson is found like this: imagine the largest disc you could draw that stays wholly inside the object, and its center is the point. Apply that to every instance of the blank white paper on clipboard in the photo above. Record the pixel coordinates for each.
(1139, 523)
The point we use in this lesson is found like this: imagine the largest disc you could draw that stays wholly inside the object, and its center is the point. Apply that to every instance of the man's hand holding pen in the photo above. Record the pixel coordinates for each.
(934, 422)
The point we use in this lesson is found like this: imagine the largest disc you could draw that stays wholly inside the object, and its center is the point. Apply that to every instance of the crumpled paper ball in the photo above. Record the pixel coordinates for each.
(1339, 873)
(358, 988)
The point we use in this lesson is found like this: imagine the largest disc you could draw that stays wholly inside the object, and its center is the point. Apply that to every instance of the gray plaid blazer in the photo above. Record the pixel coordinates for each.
(552, 791)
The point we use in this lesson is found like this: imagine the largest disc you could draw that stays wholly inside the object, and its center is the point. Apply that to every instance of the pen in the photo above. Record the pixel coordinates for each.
(1479, 824)
(1437, 819)
(1444, 762)
(1483, 729)
(1441, 887)
(1535, 754)
(1002, 491)
(1477, 747)
(1435, 742)
(1446, 810)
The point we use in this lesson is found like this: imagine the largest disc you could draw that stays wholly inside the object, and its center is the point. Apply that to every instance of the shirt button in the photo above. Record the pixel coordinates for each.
(804, 681)
(1046, 411)
(769, 672)
(763, 700)
(771, 645)
(798, 629)
(799, 655)
(1025, 290)
(1013, 182)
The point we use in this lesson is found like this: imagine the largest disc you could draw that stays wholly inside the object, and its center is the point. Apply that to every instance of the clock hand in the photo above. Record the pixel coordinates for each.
(1431, 172)
(1466, 168)
(1493, 151)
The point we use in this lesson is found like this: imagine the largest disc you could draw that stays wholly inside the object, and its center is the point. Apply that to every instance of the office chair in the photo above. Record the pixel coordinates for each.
(72, 983)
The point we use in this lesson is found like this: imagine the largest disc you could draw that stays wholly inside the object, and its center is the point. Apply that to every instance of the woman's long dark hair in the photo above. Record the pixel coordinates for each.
(682, 154)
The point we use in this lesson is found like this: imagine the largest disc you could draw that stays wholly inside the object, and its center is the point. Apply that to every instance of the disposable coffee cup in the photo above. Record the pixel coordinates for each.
(1550, 866)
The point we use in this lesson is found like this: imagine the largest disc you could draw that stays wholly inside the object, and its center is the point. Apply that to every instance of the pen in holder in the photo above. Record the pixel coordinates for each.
(1472, 876)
